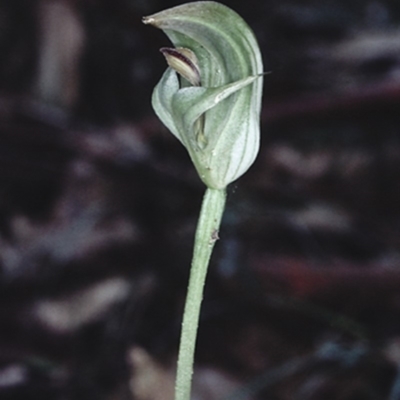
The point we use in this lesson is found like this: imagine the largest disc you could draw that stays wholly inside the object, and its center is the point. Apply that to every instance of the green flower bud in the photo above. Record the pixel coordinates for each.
(214, 107)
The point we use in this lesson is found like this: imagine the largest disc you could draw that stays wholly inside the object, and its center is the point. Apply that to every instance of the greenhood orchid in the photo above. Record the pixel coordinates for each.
(210, 97)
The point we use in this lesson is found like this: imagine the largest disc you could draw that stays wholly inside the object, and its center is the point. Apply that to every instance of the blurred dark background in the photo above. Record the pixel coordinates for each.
(98, 206)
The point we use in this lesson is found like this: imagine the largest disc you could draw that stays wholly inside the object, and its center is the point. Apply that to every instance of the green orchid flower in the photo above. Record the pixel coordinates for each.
(210, 97)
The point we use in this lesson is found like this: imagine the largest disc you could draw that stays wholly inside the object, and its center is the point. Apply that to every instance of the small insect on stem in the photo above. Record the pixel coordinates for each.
(214, 236)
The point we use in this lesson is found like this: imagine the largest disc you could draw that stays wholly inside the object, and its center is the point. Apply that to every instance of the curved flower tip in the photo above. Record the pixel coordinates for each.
(210, 97)
(183, 61)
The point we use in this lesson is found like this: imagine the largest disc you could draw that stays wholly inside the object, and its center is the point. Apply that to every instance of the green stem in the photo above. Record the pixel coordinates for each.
(211, 212)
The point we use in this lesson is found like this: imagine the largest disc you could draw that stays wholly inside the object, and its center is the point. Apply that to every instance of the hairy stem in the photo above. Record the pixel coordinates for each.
(206, 235)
